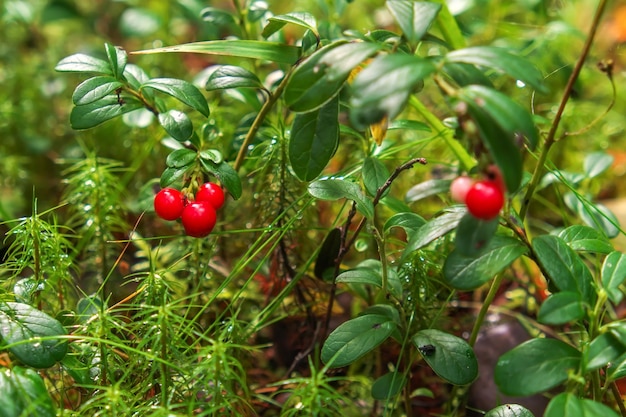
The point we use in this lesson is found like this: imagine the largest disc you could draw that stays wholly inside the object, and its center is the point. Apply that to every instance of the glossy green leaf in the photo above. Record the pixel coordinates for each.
(212, 155)
(340, 61)
(408, 221)
(328, 254)
(567, 404)
(302, 19)
(383, 87)
(596, 163)
(94, 89)
(375, 174)
(426, 189)
(434, 228)
(181, 158)
(177, 124)
(230, 76)
(469, 272)
(535, 366)
(22, 327)
(473, 235)
(107, 108)
(614, 275)
(24, 393)
(270, 51)
(170, 175)
(226, 174)
(617, 368)
(564, 267)
(413, 17)
(500, 143)
(136, 77)
(215, 16)
(335, 189)
(452, 358)
(388, 386)
(117, 59)
(26, 288)
(355, 338)
(515, 66)
(314, 140)
(561, 308)
(367, 276)
(408, 125)
(603, 350)
(508, 114)
(509, 410)
(83, 63)
(466, 74)
(586, 239)
(183, 91)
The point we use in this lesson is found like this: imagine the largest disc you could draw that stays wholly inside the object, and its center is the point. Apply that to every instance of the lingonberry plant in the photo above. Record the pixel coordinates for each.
(392, 193)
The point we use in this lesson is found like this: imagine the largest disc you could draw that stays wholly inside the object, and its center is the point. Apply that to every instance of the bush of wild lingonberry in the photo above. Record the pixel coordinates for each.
(298, 255)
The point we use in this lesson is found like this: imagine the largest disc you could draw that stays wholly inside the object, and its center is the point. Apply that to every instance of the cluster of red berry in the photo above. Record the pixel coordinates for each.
(484, 198)
(198, 216)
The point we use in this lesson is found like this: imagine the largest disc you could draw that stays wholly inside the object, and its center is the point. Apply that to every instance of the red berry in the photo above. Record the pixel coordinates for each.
(211, 192)
(198, 218)
(169, 204)
(484, 200)
(459, 188)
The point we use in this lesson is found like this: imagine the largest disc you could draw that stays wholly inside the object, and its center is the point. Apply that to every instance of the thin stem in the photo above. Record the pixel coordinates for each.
(551, 138)
(491, 295)
(258, 121)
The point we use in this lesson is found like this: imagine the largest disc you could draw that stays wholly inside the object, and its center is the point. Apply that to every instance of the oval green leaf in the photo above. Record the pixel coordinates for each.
(535, 366)
(561, 307)
(83, 63)
(509, 410)
(614, 275)
(24, 393)
(117, 59)
(335, 189)
(596, 163)
(603, 350)
(181, 158)
(22, 327)
(375, 175)
(388, 385)
(328, 254)
(473, 235)
(564, 267)
(314, 140)
(94, 89)
(426, 189)
(468, 272)
(451, 357)
(413, 17)
(408, 221)
(230, 76)
(586, 239)
(100, 111)
(355, 338)
(181, 90)
(302, 19)
(567, 404)
(177, 124)
(226, 174)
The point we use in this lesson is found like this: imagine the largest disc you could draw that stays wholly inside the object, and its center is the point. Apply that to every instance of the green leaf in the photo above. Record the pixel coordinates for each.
(24, 393)
(94, 89)
(595, 215)
(466, 74)
(617, 368)
(366, 276)
(433, 229)
(603, 350)
(302, 19)
(83, 63)
(596, 163)
(117, 59)
(311, 87)
(561, 307)
(177, 124)
(426, 189)
(564, 267)
(335, 189)
(92, 114)
(452, 359)
(468, 272)
(508, 114)
(230, 76)
(226, 174)
(473, 235)
(586, 239)
(183, 91)
(355, 338)
(614, 275)
(345, 57)
(375, 174)
(408, 125)
(535, 366)
(490, 57)
(413, 17)
(328, 254)
(219, 17)
(22, 327)
(509, 410)
(270, 51)
(181, 158)
(212, 155)
(383, 87)
(408, 221)
(567, 404)
(314, 140)
(500, 143)
(388, 385)
(170, 175)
